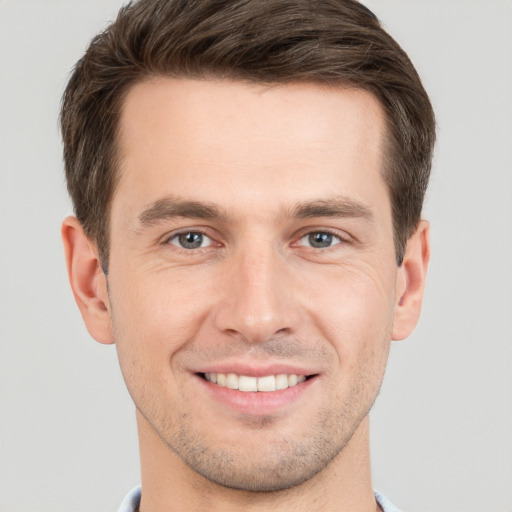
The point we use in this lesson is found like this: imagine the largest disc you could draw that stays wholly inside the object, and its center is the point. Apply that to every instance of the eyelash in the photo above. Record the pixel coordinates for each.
(168, 240)
(342, 239)
(191, 251)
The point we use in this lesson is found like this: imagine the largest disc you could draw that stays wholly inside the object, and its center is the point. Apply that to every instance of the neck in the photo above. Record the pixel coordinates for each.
(169, 484)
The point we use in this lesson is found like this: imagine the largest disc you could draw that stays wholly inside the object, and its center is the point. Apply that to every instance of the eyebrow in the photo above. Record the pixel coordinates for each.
(334, 207)
(169, 208)
(172, 207)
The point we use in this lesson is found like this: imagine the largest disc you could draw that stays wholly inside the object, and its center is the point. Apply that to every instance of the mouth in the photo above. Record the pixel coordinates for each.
(253, 391)
(250, 384)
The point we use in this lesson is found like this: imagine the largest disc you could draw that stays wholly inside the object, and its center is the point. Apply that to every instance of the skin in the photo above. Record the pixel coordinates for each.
(253, 171)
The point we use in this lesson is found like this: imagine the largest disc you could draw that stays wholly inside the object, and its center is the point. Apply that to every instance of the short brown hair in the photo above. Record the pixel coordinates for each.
(335, 42)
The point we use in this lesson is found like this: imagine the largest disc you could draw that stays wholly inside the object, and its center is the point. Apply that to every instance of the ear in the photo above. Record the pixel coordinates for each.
(410, 283)
(87, 280)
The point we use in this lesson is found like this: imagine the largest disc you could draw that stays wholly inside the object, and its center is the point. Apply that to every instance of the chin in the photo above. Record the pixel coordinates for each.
(262, 478)
(275, 466)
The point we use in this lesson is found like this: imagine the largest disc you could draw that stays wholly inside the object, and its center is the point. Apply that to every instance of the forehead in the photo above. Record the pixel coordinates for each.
(218, 140)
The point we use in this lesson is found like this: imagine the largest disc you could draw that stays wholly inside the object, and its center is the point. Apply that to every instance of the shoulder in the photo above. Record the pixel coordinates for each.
(131, 501)
(384, 503)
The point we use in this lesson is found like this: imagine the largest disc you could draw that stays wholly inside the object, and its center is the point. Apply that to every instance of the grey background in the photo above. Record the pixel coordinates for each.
(442, 426)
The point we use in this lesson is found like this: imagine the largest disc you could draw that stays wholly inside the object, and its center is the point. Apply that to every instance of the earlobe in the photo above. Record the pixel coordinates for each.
(87, 280)
(411, 282)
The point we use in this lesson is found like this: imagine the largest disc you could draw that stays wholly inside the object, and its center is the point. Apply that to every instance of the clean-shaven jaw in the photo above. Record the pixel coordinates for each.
(253, 291)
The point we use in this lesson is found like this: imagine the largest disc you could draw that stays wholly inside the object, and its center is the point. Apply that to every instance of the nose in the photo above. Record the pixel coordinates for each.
(259, 300)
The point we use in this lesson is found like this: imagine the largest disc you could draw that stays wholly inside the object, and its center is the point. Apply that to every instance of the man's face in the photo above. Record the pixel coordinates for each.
(252, 245)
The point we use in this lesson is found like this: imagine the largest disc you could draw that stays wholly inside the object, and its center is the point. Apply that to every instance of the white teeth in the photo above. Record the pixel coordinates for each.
(221, 379)
(232, 381)
(281, 381)
(267, 383)
(247, 383)
(212, 377)
(292, 380)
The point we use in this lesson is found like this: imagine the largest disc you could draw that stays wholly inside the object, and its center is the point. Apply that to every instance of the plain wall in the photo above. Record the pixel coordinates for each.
(441, 428)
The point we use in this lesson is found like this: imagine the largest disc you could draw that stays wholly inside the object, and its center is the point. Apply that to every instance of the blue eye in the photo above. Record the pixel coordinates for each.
(320, 240)
(190, 240)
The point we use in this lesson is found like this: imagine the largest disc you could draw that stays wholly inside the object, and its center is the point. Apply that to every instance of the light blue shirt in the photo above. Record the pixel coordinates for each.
(132, 500)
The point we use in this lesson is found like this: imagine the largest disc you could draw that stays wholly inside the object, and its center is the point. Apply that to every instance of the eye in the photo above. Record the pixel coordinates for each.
(190, 240)
(320, 240)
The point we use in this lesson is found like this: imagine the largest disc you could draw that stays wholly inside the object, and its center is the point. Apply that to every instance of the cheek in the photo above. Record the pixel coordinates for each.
(356, 313)
(158, 309)
(154, 317)
(152, 320)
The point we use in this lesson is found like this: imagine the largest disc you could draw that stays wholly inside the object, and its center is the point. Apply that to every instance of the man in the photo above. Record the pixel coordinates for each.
(248, 179)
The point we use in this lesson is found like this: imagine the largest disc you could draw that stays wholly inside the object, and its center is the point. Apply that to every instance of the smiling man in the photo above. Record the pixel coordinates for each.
(248, 179)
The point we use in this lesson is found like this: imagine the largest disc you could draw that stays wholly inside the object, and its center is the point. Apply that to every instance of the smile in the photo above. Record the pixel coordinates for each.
(251, 384)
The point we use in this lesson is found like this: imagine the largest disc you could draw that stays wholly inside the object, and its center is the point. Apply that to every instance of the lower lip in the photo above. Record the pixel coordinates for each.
(257, 403)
